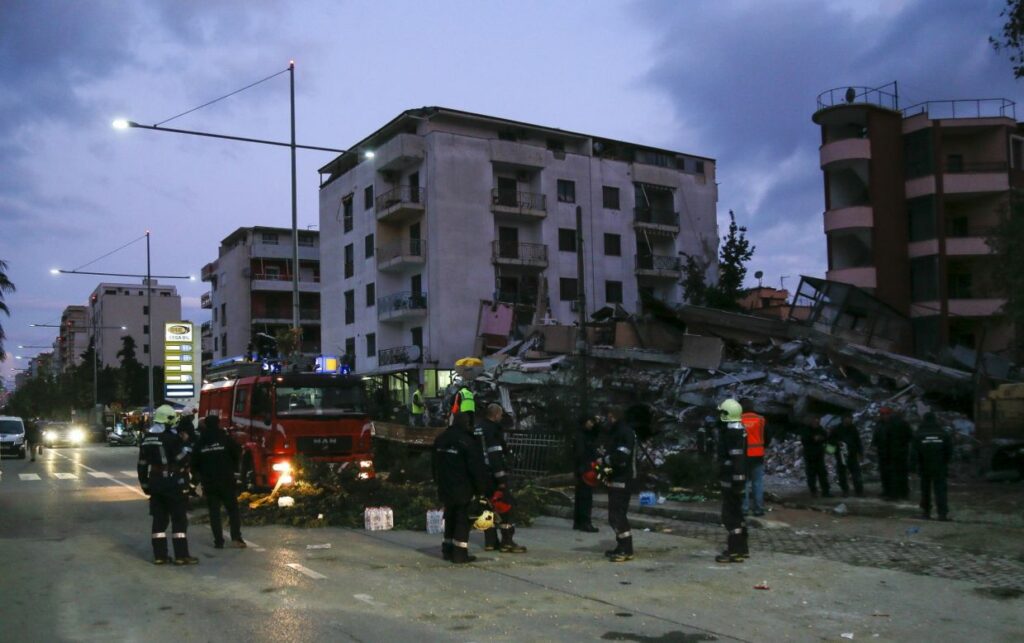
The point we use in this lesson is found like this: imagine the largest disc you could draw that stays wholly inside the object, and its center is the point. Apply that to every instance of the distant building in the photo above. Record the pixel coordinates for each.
(250, 297)
(765, 302)
(910, 197)
(444, 230)
(114, 305)
(72, 338)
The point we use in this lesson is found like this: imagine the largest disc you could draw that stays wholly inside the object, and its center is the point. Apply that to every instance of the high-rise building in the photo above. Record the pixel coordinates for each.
(445, 230)
(911, 195)
(250, 297)
(112, 306)
(72, 338)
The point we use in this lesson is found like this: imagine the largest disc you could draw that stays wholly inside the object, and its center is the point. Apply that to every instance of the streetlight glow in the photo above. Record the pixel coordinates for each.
(54, 271)
(120, 123)
(369, 154)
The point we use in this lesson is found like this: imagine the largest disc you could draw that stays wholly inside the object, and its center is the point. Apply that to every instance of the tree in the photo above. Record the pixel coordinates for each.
(1012, 38)
(733, 256)
(132, 387)
(5, 287)
(1007, 240)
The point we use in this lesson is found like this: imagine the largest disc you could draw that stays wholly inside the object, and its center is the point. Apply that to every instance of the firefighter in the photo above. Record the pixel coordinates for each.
(584, 455)
(757, 439)
(732, 453)
(163, 461)
(215, 460)
(621, 459)
(492, 445)
(898, 438)
(845, 438)
(460, 475)
(814, 439)
(464, 402)
(934, 449)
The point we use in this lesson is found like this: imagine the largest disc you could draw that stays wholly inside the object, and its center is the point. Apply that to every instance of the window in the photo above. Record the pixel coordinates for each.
(371, 344)
(269, 238)
(346, 206)
(921, 217)
(272, 272)
(567, 290)
(216, 343)
(917, 153)
(613, 292)
(954, 163)
(957, 227)
(368, 197)
(566, 191)
(566, 240)
(145, 329)
(223, 344)
(1017, 152)
(555, 145)
(959, 285)
(350, 352)
(699, 167)
(350, 306)
(350, 260)
(145, 310)
(145, 349)
(214, 314)
(110, 291)
(371, 294)
(416, 334)
(223, 315)
(306, 242)
(368, 246)
(611, 197)
(612, 245)
(924, 281)
(507, 135)
(241, 397)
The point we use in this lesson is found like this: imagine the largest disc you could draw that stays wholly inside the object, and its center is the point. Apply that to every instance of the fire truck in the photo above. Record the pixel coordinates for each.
(277, 417)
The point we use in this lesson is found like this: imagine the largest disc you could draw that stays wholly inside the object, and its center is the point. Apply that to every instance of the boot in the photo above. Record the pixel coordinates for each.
(491, 539)
(726, 557)
(625, 550)
(508, 545)
(460, 556)
(181, 556)
(238, 544)
(159, 549)
(446, 550)
(588, 528)
(742, 548)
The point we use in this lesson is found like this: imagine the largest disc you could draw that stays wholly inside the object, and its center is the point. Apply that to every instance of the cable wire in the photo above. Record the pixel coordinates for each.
(216, 100)
(85, 265)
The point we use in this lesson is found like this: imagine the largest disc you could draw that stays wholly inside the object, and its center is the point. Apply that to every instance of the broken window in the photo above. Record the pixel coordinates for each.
(350, 260)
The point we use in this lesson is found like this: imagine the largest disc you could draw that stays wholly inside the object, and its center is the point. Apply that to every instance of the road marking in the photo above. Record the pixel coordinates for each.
(100, 474)
(126, 486)
(253, 546)
(29, 476)
(129, 474)
(366, 598)
(65, 476)
(306, 570)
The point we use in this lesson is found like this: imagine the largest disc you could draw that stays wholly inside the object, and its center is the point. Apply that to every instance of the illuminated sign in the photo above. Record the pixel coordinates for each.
(179, 357)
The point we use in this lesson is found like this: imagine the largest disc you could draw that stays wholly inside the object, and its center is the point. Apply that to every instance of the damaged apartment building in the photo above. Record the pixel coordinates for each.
(446, 233)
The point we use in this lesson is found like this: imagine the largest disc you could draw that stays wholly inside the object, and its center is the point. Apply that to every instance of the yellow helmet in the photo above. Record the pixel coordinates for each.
(484, 521)
(163, 414)
(731, 411)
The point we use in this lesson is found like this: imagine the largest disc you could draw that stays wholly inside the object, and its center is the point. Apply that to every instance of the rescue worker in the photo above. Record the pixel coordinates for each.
(460, 474)
(815, 440)
(417, 408)
(621, 458)
(215, 459)
(934, 448)
(163, 460)
(585, 445)
(845, 438)
(880, 442)
(898, 438)
(464, 402)
(185, 427)
(732, 452)
(492, 445)
(757, 439)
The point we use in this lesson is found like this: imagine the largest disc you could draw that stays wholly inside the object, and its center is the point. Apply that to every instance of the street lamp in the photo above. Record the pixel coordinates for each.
(123, 123)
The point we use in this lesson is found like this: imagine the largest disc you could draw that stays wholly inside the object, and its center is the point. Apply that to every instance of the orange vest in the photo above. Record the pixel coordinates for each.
(754, 424)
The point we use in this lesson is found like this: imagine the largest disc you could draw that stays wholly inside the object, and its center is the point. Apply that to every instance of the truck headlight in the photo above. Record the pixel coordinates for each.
(283, 467)
(366, 464)
(76, 435)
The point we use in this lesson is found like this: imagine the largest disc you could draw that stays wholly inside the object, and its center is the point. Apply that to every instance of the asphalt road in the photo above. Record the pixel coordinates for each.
(75, 565)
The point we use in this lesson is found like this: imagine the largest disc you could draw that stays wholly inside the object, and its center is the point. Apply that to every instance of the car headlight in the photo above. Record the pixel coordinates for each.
(283, 467)
(76, 435)
(49, 435)
(366, 464)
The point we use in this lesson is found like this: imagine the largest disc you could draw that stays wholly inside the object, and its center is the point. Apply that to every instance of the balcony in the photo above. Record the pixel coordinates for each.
(206, 300)
(857, 216)
(967, 246)
(206, 329)
(402, 306)
(282, 282)
(526, 205)
(400, 355)
(964, 177)
(850, 149)
(658, 266)
(521, 297)
(209, 271)
(975, 307)
(860, 277)
(401, 152)
(400, 204)
(402, 254)
(283, 315)
(656, 220)
(282, 250)
(529, 255)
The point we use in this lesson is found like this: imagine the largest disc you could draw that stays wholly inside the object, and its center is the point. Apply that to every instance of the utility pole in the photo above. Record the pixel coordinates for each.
(149, 323)
(295, 213)
(581, 310)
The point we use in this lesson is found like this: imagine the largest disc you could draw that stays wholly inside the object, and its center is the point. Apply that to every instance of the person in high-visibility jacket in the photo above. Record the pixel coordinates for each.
(417, 408)
(757, 439)
(465, 403)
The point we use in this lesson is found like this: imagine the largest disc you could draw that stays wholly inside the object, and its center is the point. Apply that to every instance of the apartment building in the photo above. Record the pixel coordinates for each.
(250, 296)
(112, 306)
(442, 215)
(72, 339)
(910, 197)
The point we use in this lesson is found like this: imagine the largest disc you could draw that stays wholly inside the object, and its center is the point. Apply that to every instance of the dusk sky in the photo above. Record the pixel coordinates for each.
(733, 80)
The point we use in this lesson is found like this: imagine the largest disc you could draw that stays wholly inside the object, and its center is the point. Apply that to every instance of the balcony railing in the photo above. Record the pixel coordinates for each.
(516, 297)
(884, 96)
(965, 108)
(205, 328)
(527, 254)
(403, 248)
(284, 312)
(968, 167)
(655, 216)
(206, 300)
(283, 276)
(663, 263)
(519, 200)
(401, 194)
(400, 302)
(400, 355)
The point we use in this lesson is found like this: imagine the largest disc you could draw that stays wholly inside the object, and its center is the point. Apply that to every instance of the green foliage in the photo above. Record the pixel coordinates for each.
(1007, 239)
(1012, 38)
(6, 287)
(733, 256)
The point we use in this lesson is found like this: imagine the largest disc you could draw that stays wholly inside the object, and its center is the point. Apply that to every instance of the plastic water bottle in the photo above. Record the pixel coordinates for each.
(435, 521)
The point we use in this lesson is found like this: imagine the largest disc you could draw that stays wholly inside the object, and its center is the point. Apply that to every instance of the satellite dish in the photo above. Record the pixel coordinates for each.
(758, 274)
(851, 94)
(414, 353)
(598, 147)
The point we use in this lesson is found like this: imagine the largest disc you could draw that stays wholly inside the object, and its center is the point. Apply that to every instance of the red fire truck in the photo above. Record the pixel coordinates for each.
(276, 417)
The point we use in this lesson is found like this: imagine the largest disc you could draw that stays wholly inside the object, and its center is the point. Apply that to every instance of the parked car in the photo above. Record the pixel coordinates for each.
(12, 436)
(64, 433)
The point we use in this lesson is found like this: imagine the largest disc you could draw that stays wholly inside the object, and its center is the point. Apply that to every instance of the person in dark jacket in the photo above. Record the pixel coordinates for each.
(879, 441)
(33, 438)
(732, 480)
(934, 448)
(621, 459)
(162, 469)
(215, 459)
(491, 439)
(845, 439)
(585, 445)
(814, 439)
(460, 475)
(898, 437)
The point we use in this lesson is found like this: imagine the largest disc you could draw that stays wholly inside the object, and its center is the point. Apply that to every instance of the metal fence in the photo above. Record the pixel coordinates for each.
(535, 454)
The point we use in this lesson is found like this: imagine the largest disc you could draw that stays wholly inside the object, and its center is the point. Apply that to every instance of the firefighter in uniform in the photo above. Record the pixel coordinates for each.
(215, 460)
(492, 444)
(934, 450)
(621, 459)
(460, 475)
(163, 461)
(732, 452)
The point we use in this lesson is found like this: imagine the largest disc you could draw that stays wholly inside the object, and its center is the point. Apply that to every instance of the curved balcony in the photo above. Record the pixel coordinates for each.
(847, 149)
(860, 277)
(856, 216)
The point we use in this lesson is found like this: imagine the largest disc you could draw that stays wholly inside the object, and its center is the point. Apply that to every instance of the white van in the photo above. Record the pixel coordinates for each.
(12, 436)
